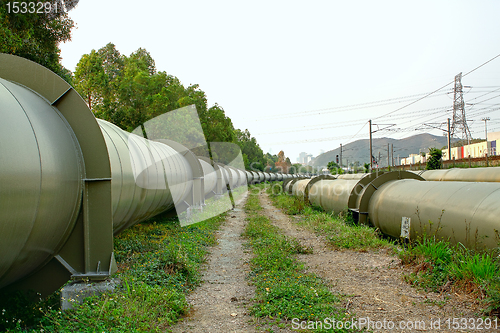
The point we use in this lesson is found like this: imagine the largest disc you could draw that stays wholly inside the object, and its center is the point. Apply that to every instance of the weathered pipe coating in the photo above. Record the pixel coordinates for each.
(491, 174)
(462, 212)
(299, 187)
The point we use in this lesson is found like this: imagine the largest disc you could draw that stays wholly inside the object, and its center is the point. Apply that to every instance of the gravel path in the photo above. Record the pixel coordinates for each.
(219, 304)
(370, 281)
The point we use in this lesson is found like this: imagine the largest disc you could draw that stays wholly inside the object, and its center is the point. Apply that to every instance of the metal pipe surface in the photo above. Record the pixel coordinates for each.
(147, 177)
(332, 195)
(491, 174)
(210, 177)
(41, 181)
(462, 212)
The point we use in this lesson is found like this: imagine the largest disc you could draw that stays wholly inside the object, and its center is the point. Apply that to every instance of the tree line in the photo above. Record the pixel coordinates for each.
(127, 91)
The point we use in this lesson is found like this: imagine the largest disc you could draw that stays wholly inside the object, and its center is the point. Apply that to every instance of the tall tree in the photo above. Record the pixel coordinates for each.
(130, 92)
(90, 79)
(216, 125)
(35, 36)
(251, 149)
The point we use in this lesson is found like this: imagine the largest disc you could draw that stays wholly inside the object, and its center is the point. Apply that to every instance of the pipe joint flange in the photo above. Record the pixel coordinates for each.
(371, 184)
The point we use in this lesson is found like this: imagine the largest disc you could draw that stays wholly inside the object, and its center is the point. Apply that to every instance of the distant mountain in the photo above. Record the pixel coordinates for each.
(359, 150)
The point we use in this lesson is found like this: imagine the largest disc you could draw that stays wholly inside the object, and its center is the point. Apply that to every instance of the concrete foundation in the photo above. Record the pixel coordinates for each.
(76, 292)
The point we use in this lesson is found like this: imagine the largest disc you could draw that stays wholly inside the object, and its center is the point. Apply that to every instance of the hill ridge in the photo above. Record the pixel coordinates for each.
(359, 149)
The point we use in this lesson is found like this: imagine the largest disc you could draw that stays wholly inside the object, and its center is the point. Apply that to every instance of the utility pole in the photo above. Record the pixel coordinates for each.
(449, 131)
(392, 153)
(486, 134)
(388, 157)
(449, 140)
(486, 128)
(341, 155)
(371, 152)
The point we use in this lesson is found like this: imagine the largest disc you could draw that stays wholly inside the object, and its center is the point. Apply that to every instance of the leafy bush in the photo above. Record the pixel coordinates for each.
(434, 161)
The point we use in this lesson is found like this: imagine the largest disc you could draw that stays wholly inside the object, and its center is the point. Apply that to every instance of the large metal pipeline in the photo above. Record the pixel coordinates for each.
(68, 182)
(460, 212)
(41, 181)
(490, 174)
(332, 194)
(147, 177)
(210, 177)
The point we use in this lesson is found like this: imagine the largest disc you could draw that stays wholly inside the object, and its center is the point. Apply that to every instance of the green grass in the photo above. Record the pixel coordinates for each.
(441, 267)
(159, 262)
(436, 265)
(284, 291)
(339, 229)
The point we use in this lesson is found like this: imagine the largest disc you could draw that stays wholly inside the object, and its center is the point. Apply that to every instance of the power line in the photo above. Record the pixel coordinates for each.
(481, 65)
(337, 109)
(406, 115)
(438, 88)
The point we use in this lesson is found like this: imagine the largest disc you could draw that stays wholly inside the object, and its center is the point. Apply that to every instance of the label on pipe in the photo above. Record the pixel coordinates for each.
(405, 227)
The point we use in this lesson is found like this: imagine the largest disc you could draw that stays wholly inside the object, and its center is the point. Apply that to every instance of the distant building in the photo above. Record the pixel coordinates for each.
(415, 159)
(304, 158)
(474, 150)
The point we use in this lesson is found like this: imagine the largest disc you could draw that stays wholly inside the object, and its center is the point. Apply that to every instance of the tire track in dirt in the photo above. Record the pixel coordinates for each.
(371, 281)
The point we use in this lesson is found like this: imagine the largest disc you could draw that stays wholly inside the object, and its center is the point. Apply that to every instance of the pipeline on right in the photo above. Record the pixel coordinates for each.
(404, 204)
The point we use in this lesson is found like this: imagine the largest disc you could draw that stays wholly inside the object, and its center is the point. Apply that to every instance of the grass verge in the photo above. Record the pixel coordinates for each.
(441, 267)
(340, 231)
(284, 291)
(435, 265)
(159, 262)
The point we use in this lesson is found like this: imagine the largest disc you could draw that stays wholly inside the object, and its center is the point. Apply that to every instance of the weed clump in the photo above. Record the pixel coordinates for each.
(440, 266)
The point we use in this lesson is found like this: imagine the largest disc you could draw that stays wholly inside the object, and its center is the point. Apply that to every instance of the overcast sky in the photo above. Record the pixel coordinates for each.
(304, 76)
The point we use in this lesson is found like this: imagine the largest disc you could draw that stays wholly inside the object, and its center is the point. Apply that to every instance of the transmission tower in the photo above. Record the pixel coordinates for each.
(459, 120)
